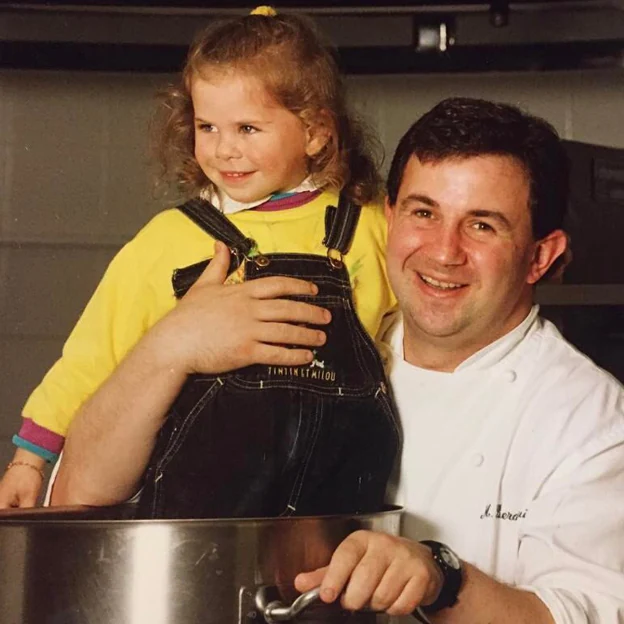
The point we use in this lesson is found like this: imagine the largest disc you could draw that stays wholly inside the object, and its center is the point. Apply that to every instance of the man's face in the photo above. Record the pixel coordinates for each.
(461, 252)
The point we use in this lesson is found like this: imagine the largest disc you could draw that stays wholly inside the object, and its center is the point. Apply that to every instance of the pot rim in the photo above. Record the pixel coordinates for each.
(122, 515)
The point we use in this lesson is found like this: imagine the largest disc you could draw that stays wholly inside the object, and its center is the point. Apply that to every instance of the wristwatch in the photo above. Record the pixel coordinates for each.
(451, 567)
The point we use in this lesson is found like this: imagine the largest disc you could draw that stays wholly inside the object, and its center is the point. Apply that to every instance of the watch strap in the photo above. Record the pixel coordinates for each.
(452, 578)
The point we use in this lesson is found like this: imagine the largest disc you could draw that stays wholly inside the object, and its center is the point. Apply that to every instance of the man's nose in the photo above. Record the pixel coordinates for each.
(227, 146)
(447, 246)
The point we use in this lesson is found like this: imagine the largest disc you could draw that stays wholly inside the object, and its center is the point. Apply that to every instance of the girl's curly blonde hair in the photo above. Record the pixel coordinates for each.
(299, 71)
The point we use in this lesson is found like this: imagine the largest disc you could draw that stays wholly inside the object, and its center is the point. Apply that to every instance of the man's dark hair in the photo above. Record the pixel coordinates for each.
(466, 127)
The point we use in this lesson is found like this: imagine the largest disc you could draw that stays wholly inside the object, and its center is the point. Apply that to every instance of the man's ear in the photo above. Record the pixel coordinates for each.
(545, 254)
(388, 211)
(318, 133)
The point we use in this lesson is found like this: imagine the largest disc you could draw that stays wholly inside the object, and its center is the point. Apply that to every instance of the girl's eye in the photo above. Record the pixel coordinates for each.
(204, 127)
(247, 129)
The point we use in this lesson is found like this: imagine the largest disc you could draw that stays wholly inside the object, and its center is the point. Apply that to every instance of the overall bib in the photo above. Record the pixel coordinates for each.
(280, 440)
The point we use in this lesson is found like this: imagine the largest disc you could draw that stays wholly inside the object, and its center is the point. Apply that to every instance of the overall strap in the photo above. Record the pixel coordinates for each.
(215, 223)
(340, 224)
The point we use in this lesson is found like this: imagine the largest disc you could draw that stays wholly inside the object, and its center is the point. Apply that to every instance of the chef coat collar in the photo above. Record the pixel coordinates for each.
(485, 358)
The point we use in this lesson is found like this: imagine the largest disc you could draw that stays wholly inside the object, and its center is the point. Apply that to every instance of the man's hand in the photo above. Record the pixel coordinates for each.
(379, 571)
(216, 327)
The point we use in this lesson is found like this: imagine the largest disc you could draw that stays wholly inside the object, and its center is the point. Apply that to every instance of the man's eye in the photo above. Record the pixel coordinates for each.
(422, 213)
(247, 129)
(481, 226)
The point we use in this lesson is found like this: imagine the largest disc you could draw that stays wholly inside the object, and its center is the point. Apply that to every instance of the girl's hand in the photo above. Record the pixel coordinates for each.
(21, 484)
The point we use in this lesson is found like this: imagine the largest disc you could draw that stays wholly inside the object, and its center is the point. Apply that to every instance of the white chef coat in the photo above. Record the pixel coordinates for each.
(516, 461)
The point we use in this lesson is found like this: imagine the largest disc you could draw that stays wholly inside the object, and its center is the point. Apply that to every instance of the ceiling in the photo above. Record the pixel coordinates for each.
(371, 37)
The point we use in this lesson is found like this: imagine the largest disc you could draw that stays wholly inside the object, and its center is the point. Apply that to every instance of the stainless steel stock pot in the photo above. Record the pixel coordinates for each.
(102, 566)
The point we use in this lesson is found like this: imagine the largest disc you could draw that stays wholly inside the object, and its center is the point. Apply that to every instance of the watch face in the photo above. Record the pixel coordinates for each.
(450, 558)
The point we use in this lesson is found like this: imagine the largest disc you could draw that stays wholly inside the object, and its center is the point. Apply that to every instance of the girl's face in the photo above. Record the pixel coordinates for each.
(246, 144)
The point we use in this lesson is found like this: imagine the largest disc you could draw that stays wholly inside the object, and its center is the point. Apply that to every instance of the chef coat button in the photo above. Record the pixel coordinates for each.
(510, 376)
(477, 460)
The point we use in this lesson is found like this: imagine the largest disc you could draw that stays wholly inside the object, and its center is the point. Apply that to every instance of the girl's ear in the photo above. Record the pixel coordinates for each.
(318, 133)
(545, 254)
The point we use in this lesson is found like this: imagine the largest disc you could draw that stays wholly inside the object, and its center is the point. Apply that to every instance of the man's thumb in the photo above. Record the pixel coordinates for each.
(307, 580)
(217, 270)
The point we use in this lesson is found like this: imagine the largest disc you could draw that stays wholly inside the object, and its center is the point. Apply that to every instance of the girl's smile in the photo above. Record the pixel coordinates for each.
(233, 176)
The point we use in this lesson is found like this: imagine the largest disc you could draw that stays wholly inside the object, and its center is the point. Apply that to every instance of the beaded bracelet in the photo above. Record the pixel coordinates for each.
(23, 463)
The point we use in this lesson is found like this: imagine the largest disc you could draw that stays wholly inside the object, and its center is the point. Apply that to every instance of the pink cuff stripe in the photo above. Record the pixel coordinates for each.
(36, 434)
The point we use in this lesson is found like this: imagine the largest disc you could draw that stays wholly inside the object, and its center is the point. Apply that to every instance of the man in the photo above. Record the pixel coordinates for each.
(513, 441)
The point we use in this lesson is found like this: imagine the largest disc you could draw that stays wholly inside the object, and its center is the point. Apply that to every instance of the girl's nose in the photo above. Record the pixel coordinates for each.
(227, 147)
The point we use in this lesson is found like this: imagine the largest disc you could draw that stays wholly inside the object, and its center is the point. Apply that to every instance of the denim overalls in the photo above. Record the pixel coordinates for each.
(280, 440)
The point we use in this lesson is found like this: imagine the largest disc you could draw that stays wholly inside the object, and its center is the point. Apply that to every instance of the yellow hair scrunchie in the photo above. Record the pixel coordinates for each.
(267, 11)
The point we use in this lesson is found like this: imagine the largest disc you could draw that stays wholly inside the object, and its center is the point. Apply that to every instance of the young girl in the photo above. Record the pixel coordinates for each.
(258, 134)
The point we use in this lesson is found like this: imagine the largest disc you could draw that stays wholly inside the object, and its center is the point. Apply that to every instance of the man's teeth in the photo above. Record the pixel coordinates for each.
(438, 284)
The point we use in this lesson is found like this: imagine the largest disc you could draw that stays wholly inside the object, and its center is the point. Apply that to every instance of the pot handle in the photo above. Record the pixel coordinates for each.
(277, 611)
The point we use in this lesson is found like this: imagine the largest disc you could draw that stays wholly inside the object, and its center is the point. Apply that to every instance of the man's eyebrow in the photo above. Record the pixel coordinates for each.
(415, 198)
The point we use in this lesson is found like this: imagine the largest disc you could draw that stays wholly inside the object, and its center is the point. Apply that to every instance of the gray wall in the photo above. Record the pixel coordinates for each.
(74, 182)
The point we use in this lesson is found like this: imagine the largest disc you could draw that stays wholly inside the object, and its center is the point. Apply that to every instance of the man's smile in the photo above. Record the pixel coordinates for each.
(442, 285)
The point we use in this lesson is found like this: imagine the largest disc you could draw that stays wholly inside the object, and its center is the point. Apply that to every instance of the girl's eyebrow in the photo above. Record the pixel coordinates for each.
(254, 122)
(242, 122)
